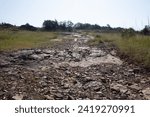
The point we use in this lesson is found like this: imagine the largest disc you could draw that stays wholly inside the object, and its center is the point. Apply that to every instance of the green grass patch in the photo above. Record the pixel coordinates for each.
(136, 47)
(13, 40)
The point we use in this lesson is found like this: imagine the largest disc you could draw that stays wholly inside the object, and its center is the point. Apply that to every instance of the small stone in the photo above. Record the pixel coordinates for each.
(35, 57)
(13, 87)
(119, 87)
(136, 70)
(44, 55)
(135, 87)
(146, 93)
(76, 55)
(44, 68)
(70, 97)
(148, 78)
(44, 77)
(143, 81)
(59, 95)
(104, 80)
(130, 70)
(113, 53)
(95, 85)
(78, 85)
(98, 74)
(128, 92)
(101, 94)
(96, 53)
(38, 51)
(88, 79)
(39, 56)
(67, 72)
(66, 86)
(43, 84)
(1, 93)
(120, 81)
(48, 97)
(18, 97)
(49, 51)
(4, 63)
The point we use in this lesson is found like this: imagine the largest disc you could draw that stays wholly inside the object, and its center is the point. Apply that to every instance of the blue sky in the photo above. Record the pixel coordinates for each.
(123, 13)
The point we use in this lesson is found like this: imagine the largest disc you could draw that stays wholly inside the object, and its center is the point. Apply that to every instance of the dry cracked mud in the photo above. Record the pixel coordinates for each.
(71, 70)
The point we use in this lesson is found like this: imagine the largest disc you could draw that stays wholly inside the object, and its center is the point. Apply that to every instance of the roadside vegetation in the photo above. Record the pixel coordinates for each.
(13, 40)
(134, 46)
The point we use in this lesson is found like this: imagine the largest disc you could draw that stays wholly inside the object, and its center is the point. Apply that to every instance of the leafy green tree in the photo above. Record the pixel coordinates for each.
(50, 25)
(62, 26)
(6, 25)
(27, 26)
(146, 30)
(69, 25)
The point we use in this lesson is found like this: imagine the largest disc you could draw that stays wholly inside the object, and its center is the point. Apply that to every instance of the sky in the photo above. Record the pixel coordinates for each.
(116, 13)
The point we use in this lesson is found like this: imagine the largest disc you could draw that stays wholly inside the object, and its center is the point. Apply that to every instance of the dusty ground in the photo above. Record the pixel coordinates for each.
(71, 70)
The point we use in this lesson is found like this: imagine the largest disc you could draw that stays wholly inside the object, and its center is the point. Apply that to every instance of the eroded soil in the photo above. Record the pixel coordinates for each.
(71, 70)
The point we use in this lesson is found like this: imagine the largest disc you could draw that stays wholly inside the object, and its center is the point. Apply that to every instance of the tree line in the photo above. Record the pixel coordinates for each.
(54, 25)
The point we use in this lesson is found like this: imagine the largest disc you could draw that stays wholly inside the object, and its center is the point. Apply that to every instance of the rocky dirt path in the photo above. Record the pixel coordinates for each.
(71, 70)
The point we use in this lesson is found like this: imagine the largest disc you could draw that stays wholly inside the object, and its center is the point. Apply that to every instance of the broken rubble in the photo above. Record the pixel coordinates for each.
(118, 87)
(146, 93)
(135, 87)
(18, 97)
(71, 70)
(39, 56)
(93, 85)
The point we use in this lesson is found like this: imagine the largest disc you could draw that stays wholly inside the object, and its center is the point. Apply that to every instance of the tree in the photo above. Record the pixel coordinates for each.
(50, 25)
(146, 30)
(6, 25)
(62, 26)
(69, 25)
(78, 26)
(86, 26)
(27, 26)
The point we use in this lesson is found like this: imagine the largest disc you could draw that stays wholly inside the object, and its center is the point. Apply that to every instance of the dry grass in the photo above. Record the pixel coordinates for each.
(137, 47)
(12, 40)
